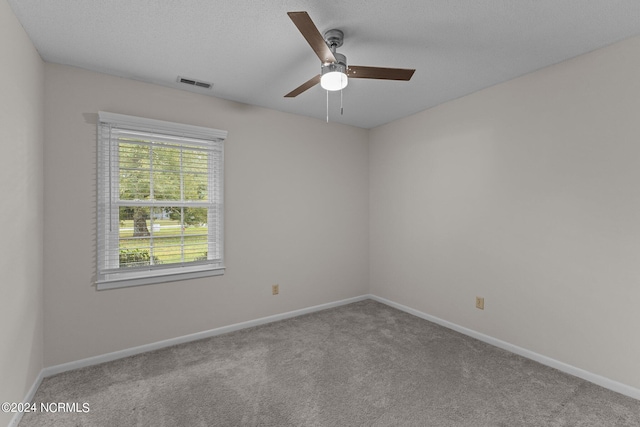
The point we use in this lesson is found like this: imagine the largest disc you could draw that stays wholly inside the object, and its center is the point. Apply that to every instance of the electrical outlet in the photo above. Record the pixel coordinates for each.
(275, 289)
(480, 303)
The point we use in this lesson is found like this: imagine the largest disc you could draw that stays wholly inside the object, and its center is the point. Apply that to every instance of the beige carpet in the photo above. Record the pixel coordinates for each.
(363, 364)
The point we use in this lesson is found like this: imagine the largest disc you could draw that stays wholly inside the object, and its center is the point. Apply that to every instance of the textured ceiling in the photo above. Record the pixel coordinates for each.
(252, 53)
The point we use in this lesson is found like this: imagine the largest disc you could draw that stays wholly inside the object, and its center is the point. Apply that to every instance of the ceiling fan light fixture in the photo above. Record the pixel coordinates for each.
(334, 74)
(334, 80)
(334, 69)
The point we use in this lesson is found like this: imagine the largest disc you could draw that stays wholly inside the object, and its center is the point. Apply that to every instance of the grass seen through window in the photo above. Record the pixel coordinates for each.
(169, 242)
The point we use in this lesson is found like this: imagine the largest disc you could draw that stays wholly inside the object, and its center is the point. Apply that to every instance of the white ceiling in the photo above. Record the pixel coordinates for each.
(252, 52)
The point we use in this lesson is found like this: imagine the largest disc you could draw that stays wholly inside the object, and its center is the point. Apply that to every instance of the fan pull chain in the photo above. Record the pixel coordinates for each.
(341, 109)
(327, 106)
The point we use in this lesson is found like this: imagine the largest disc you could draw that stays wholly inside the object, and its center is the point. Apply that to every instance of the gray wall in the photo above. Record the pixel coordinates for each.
(296, 214)
(526, 194)
(21, 183)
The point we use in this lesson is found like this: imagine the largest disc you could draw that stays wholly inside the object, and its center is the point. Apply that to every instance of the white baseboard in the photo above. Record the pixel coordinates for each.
(95, 360)
(27, 399)
(561, 366)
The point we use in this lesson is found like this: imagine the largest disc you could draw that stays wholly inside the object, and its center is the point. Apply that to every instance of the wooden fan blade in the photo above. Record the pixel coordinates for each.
(312, 35)
(360, 72)
(304, 86)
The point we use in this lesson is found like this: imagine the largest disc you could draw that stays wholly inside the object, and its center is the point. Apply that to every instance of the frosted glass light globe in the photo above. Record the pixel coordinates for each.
(334, 80)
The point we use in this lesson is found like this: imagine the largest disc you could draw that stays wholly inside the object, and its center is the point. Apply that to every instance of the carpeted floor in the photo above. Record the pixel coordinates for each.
(363, 364)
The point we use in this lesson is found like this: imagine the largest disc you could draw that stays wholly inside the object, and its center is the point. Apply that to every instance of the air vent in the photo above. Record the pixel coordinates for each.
(193, 82)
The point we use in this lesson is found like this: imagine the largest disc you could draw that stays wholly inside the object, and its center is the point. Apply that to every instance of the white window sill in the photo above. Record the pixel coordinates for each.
(126, 279)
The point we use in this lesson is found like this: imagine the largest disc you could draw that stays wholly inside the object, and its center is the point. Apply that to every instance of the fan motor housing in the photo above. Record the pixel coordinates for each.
(340, 64)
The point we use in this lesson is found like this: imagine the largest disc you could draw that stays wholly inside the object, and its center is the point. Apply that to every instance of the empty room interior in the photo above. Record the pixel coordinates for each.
(479, 187)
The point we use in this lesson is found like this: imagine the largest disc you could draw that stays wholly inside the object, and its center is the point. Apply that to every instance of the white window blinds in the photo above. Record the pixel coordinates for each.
(160, 201)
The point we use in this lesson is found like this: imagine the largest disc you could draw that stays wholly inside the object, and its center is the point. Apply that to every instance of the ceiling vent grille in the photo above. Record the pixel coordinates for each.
(194, 82)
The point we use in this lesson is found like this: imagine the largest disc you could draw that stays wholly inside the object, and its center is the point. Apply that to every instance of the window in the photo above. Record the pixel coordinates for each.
(160, 201)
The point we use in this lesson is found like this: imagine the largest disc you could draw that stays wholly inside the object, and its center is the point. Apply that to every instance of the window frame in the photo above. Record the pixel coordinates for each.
(110, 276)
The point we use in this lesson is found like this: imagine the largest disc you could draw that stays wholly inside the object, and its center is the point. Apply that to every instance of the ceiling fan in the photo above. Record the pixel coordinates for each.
(334, 70)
